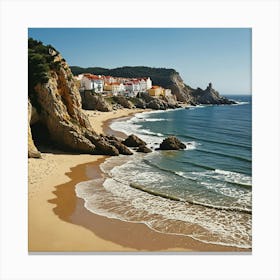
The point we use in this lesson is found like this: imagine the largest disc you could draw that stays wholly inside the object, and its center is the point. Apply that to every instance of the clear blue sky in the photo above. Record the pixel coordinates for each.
(200, 55)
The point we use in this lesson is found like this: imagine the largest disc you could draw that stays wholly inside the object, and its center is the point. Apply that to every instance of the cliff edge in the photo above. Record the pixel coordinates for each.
(54, 107)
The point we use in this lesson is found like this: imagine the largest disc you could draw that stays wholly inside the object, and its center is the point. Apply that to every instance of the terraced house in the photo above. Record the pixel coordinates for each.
(114, 85)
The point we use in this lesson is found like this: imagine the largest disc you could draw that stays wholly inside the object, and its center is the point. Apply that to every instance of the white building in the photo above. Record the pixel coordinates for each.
(128, 86)
(148, 83)
(92, 82)
(132, 86)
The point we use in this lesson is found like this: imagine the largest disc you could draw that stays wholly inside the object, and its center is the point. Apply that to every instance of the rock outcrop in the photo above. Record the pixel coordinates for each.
(156, 104)
(139, 103)
(92, 101)
(123, 149)
(134, 141)
(209, 96)
(147, 101)
(171, 101)
(171, 143)
(124, 102)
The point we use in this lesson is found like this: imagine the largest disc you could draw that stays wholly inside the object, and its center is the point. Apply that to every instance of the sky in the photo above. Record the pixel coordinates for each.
(200, 55)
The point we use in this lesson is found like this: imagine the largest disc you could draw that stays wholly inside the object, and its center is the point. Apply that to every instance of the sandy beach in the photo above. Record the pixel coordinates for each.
(46, 231)
(58, 220)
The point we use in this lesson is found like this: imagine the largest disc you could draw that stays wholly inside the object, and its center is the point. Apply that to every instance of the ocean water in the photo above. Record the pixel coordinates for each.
(204, 192)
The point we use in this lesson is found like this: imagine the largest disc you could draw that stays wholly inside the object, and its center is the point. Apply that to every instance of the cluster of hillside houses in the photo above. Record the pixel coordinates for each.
(129, 87)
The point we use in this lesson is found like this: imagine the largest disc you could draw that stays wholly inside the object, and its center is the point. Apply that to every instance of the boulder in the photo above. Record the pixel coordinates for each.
(171, 143)
(121, 147)
(102, 146)
(143, 149)
(133, 141)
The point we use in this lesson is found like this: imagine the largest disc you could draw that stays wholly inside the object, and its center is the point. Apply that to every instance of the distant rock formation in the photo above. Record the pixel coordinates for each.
(171, 143)
(209, 96)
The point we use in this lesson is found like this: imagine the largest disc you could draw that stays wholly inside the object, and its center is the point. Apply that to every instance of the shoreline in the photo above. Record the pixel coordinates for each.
(69, 226)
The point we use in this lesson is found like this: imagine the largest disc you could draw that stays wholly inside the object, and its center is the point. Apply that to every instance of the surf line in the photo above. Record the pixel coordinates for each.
(142, 188)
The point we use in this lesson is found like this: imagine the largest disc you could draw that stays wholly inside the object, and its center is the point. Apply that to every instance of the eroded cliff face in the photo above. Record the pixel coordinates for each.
(186, 94)
(58, 105)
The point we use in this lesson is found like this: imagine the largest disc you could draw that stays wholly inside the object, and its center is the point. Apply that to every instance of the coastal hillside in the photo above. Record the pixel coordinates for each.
(167, 78)
(54, 107)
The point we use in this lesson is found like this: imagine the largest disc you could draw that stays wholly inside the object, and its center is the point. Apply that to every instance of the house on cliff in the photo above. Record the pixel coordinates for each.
(92, 82)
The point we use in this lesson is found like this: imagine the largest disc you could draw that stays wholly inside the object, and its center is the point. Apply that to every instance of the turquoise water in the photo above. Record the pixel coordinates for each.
(207, 186)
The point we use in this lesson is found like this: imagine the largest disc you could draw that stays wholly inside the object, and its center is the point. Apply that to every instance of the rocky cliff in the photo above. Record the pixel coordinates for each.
(54, 97)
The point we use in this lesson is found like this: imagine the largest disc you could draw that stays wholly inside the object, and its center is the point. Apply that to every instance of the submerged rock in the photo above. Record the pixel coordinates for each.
(171, 143)
(133, 141)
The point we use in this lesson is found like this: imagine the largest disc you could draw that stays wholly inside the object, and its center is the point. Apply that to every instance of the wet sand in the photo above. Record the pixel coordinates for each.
(129, 235)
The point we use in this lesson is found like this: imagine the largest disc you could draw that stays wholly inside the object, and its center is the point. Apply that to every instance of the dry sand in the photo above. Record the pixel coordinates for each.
(58, 220)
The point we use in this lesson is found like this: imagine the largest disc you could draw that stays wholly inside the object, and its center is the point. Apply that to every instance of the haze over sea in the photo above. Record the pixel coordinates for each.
(204, 192)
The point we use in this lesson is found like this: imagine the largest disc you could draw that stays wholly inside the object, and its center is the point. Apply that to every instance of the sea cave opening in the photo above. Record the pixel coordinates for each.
(41, 137)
